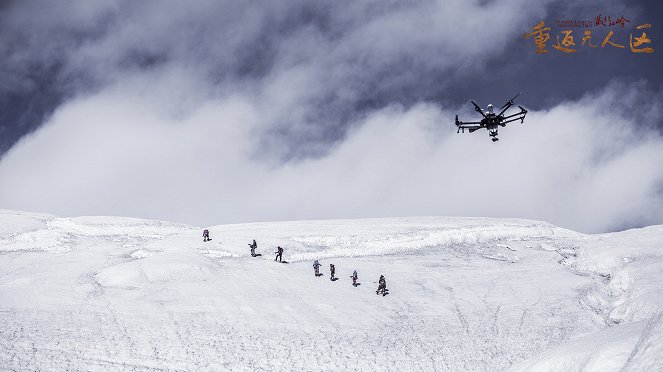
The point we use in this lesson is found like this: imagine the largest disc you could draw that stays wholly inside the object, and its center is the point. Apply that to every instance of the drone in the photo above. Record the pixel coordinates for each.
(492, 121)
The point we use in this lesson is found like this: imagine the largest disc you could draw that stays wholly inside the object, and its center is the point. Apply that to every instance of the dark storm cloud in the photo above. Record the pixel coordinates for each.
(556, 77)
(35, 76)
(349, 58)
(314, 109)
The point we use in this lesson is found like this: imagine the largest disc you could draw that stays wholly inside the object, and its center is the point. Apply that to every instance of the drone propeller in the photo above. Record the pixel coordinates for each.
(510, 102)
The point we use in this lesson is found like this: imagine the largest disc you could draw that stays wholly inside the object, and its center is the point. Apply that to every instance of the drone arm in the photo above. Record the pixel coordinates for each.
(471, 125)
(506, 107)
(504, 123)
(461, 123)
(468, 124)
(522, 112)
(508, 104)
(517, 116)
(514, 115)
(478, 109)
(522, 119)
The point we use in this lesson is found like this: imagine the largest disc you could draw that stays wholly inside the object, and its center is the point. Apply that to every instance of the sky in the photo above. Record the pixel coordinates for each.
(215, 112)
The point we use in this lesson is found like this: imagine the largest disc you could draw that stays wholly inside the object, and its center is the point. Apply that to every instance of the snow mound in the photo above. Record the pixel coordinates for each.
(13, 222)
(169, 266)
(46, 233)
(137, 274)
(117, 226)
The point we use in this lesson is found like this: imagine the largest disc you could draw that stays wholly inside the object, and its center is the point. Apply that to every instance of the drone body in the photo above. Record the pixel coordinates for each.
(492, 121)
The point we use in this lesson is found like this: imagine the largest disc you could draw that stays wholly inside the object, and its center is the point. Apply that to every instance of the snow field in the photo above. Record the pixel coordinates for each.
(465, 294)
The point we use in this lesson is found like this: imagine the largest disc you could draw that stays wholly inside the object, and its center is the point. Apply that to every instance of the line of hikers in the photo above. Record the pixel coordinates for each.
(382, 282)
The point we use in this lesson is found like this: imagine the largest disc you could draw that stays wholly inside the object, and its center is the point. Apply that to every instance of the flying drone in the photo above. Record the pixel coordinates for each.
(492, 121)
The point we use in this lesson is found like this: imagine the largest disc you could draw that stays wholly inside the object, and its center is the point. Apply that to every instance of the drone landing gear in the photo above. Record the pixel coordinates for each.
(493, 134)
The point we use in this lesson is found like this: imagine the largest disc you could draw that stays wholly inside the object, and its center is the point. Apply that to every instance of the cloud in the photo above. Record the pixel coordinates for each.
(586, 165)
(223, 112)
(316, 66)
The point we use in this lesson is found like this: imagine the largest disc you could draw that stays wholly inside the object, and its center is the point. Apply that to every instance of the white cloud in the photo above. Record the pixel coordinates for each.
(124, 152)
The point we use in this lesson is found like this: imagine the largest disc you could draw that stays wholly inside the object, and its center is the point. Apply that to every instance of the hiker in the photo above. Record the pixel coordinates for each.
(206, 235)
(279, 254)
(332, 271)
(253, 246)
(354, 278)
(382, 286)
(316, 267)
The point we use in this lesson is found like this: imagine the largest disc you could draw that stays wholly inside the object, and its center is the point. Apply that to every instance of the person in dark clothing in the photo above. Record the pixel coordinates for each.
(354, 278)
(206, 235)
(316, 267)
(382, 286)
(279, 254)
(253, 247)
(332, 271)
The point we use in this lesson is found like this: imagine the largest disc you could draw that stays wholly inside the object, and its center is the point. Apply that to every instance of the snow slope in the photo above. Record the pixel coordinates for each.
(100, 293)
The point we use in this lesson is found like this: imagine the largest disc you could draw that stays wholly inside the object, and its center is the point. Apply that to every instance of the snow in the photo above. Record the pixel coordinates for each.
(634, 261)
(100, 293)
(628, 303)
(604, 350)
(647, 355)
(37, 232)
